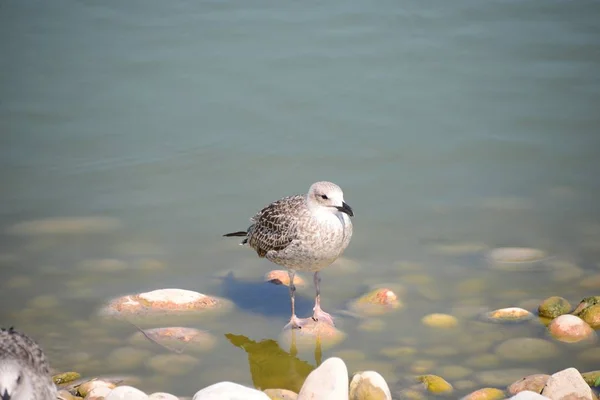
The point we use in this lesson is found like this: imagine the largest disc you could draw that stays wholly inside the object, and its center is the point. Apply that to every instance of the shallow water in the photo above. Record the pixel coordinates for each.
(453, 128)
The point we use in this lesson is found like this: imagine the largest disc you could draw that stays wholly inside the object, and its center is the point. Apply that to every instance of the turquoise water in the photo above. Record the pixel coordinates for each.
(465, 122)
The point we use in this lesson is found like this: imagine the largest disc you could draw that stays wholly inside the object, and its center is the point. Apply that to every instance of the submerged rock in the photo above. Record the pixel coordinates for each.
(311, 332)
(437, 320)
(592, 378)
(172, 364)
(553, 307)
(369, 385)
(435, 384)
(526, 349)
(281, 277)
(567, 383)
(570, 329)
(591, 315)
(585, 303)
(329, 381)
(229, 391)
(376, 302)
(510, 314)
(163, 301)
(516, 255)
(177, 338)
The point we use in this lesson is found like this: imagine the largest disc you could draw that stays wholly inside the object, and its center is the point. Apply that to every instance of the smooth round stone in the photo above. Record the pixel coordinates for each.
(591, 282)
(464, 385)
(440, 321)
(590, 355)
(162, 396)
(591, 316)
(328, 381)
(459, 249)
(99, 392)
(585, 303)
(371, 325)
(422, 366)
(435, 384)
(149, 264)
(377, 302)
(282, 277)
(570, 329)
(369, 385)
(534, 383)
(172, 364)
(485, 394)
(126, 393)
(526, 349)
(229, 391)
(398, 352)
(503, 377)
(516, 255)
(508, 315)
(44, 302)
(441, 351)
(103, 265)
(177, 337)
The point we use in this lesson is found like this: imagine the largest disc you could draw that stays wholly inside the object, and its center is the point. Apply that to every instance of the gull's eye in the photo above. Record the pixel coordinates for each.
(324, 197)
(19, 379)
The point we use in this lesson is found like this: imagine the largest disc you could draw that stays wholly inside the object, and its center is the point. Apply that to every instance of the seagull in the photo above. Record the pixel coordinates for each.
(302, 232)
(24, 370)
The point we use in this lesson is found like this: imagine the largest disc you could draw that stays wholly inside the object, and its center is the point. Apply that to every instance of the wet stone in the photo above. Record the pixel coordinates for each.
(377, 302)
(435, 384)
(553, 307)
(570, 329)
(172, 364)
(177, 338)
(485, 394)
(527, 349)
(508, 315)
(534, 383)
(281, 277)
(503, 377)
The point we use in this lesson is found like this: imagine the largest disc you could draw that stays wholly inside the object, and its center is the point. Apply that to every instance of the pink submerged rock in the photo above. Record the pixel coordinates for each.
(570, 329)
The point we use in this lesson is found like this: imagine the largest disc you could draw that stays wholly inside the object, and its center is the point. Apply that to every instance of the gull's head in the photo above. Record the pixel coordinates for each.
(329, 197)
(12, 380)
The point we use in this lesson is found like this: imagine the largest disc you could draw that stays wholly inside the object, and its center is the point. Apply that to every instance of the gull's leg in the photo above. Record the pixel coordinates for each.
(295, 322)
(319, 314)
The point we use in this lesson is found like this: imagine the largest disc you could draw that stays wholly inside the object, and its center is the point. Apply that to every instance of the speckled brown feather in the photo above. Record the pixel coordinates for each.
(274, 226)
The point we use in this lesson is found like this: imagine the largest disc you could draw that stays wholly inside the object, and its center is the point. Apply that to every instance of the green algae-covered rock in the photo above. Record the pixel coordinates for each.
(591, 315)
(435, 384)
(592, 378)
(65, 377)
(585, 303)
(553, 307)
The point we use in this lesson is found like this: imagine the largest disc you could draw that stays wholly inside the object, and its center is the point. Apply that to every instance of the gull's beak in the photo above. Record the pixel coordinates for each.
(5, 395)
(345, 208)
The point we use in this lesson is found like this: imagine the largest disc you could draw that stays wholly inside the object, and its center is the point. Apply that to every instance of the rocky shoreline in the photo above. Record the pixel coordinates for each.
(331, 379)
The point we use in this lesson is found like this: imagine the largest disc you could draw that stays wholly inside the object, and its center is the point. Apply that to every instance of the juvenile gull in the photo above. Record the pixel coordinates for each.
(306, 233)
(24, 370)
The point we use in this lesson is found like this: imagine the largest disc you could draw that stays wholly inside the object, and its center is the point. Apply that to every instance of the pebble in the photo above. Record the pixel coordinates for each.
(526, 349)
(435, 384)
(229, 391)
(328, 381)
(570, 329)
(485, 394)
(177, 337)
(503, 377)
(510, 314)
(126, 393)
(162, 396)
(591, 315)
(567, 383)
(281, 277)
(534, 383)
(585, 303)
(369, 385)
(440, 321)
(124, 358)
(377, 302)
(553, 307)
(516, 255)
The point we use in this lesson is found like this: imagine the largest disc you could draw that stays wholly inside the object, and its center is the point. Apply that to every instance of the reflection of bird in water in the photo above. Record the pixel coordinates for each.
(306, 233)
(270, 365)
(24, 370)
